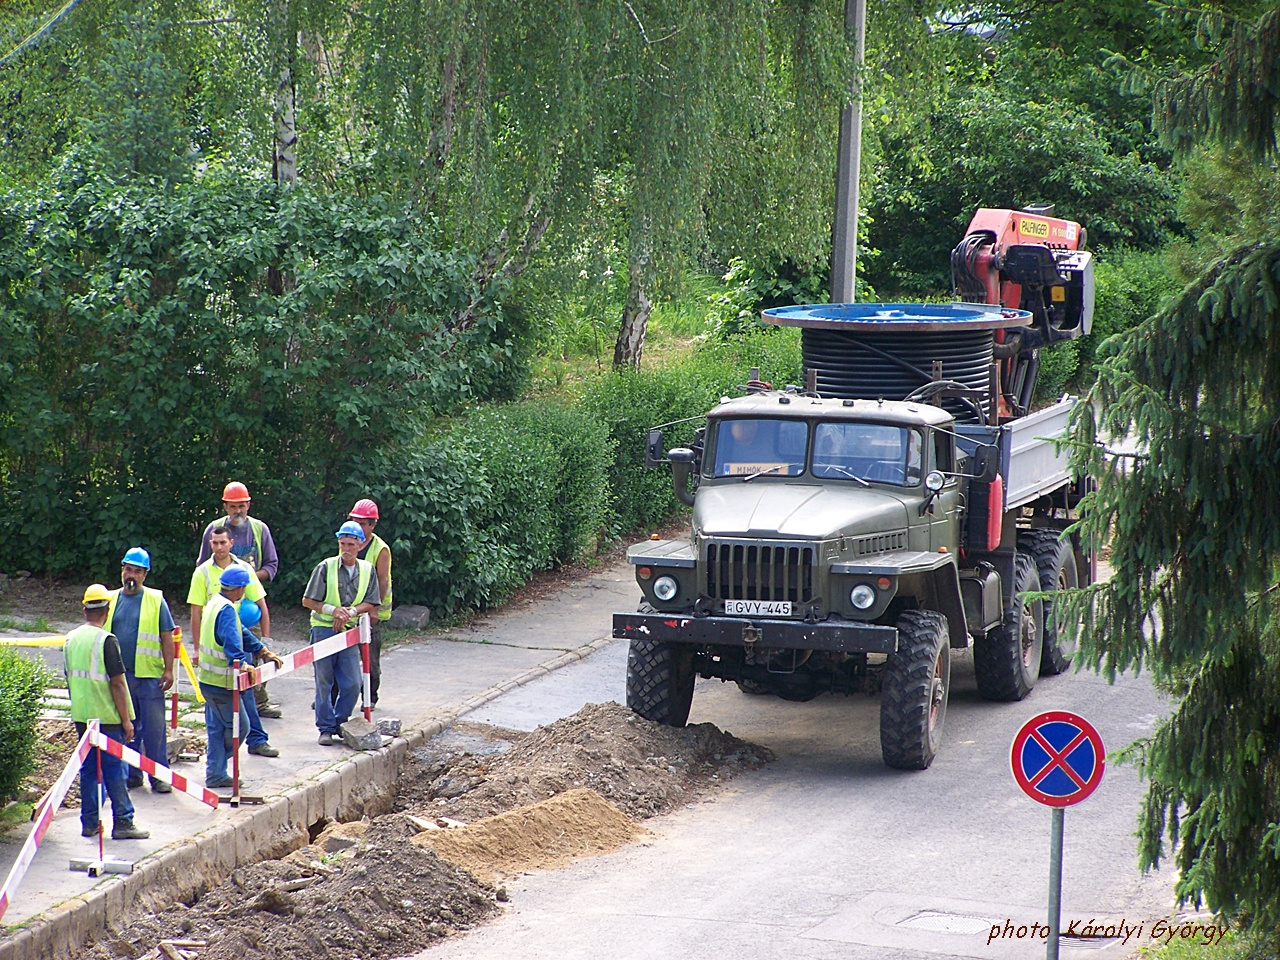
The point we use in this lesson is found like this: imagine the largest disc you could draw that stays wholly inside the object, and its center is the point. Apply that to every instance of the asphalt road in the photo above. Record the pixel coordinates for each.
(825, 853)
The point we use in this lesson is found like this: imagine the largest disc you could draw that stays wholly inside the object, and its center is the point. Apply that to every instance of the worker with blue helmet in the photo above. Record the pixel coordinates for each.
(224, 641)
(340, 590)
(141, 621)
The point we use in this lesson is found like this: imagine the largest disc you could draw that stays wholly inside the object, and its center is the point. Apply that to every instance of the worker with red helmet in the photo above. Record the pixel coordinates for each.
(251, 541)
(376, 551)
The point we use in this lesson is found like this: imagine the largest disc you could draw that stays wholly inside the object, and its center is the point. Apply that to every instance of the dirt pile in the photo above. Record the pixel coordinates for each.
(375, 889)
(640, 767)
(368, 893)
(548, 834)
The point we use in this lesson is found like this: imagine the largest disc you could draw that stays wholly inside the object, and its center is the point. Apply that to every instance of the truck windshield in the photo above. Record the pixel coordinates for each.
(875, 452)
(747, 447)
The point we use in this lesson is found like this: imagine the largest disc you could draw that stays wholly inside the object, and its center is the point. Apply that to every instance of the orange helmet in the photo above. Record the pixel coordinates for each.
(365, 509)
(235, 492)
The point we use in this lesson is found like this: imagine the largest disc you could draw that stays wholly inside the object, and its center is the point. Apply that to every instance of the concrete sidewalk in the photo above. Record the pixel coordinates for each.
(439, 674)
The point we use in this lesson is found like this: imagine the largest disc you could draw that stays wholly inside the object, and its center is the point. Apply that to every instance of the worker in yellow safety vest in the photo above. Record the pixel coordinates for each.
(140, 619)
(341, 588)
(376, 551)
(251, 541)
(99, 691)
(224, 641)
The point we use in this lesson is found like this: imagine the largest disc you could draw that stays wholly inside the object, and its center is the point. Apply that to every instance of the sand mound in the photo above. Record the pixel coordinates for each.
(544, 835)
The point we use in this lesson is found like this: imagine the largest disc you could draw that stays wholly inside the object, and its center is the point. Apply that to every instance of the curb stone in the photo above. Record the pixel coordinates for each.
(197, 863)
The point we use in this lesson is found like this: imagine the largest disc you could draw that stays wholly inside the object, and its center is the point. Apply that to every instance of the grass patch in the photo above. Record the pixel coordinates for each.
(39, 625)
(15, 815)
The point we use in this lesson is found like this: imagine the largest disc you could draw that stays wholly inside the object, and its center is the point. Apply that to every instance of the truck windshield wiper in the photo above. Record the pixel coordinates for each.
(848, 473)
(760, 473)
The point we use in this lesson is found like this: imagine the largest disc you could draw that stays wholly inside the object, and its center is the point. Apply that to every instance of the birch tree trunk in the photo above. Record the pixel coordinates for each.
(635, 318)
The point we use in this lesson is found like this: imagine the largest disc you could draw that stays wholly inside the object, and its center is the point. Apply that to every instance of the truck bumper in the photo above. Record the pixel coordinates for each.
(832, 637)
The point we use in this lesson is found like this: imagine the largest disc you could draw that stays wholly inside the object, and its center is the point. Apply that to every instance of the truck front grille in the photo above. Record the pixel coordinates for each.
(755, 572)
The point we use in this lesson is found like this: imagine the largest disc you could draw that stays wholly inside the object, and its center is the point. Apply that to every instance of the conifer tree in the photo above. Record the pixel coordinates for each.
(1194, 517)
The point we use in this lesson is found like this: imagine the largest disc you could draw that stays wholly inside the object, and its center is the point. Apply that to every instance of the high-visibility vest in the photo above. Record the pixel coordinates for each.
(215, 669)
(365, 569)
(211, 573)
(87, 679)
(148, 660)
(375, 551)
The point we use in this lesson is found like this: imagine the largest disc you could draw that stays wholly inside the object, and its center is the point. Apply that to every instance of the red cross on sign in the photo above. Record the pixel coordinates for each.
(1057, 758)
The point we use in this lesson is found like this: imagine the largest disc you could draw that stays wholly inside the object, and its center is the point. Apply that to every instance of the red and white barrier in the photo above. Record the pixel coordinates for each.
(252, 676)
(44, 815)
(153, 769)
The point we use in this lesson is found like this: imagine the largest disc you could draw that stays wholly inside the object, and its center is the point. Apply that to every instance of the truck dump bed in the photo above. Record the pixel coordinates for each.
(1031, 463)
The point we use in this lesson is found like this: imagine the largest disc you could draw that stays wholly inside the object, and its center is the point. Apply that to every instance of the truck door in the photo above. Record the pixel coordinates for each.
(944, 523)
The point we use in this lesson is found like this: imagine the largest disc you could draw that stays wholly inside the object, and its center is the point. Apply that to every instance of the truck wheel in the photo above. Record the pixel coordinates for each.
(1056, 564)
(916, 681)
(660, 679)
(752, 687)
(1006, 662)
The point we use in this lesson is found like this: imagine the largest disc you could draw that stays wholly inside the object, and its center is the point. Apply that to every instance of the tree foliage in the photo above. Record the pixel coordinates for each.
(1194, 522)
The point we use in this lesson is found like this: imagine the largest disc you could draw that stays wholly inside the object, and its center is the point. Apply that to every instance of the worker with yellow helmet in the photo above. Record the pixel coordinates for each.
(98, 690)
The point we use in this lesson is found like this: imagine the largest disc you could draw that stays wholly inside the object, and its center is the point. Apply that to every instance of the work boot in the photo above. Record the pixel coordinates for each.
(135, 782)
(159, 786)
(214, 783)
(326, 740)
(89, 831)
(264, 750)
(271, 712)
(125, 830)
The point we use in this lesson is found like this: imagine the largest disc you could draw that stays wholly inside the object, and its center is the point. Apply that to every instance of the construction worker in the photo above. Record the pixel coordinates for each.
(224, 641)
(341, 588)
(140, 619)
(205, 582)
(376, 551)
(99, 691)
(251, 541)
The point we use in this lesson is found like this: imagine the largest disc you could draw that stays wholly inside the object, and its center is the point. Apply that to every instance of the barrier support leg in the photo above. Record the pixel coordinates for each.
(99, 789)
(365, 638)
(235, 736)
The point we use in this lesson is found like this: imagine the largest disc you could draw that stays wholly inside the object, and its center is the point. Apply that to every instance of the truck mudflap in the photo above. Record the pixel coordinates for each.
(839, 636)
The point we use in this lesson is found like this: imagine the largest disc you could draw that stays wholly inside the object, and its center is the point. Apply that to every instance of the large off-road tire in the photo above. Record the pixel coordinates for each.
(1056, 564)
(753, 687)
(660, 679)
(917, 680)
(1006, 662)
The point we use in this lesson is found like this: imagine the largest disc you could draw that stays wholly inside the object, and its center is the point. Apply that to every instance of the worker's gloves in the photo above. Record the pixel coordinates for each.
(270, 657)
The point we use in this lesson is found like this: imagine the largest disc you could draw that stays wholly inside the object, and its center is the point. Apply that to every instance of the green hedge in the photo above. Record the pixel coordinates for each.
(22, 683)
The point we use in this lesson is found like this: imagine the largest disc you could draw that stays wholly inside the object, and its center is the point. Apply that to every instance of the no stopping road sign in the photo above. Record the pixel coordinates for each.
(1057, 758)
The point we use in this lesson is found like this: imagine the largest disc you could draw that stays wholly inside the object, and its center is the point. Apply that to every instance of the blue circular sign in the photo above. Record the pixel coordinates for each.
(1057, 758)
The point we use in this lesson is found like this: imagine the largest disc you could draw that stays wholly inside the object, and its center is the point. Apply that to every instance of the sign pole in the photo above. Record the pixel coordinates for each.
(1055, 882)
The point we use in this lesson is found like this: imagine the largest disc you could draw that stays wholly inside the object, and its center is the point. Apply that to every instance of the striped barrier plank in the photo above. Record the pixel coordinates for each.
(43, 815)
(153, 769)
(252, 676)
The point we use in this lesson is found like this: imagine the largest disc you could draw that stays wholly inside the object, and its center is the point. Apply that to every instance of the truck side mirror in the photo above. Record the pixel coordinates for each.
(985, 464)
(682, 459)
(653, 449)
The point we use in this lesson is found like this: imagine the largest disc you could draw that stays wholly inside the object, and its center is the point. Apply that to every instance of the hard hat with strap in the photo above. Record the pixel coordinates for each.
(137, 557)
(96, 595)
(235, 492)
(364, 509)
(87, 680)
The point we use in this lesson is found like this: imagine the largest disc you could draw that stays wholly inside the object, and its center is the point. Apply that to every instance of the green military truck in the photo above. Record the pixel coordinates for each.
(844, 542)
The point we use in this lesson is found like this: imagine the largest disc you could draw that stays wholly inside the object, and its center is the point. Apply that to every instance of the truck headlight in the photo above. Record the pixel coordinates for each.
(862, 596)
(664, 588)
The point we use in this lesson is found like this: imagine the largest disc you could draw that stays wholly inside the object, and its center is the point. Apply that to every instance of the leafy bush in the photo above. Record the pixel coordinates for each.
(22, 683)
(1130, 286)
(156, 343)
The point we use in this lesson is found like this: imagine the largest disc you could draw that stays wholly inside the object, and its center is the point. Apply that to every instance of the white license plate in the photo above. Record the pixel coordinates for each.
(757, 608)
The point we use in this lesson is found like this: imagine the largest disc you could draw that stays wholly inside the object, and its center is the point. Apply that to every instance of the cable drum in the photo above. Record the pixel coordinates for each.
(857, 366)
(872, 351)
